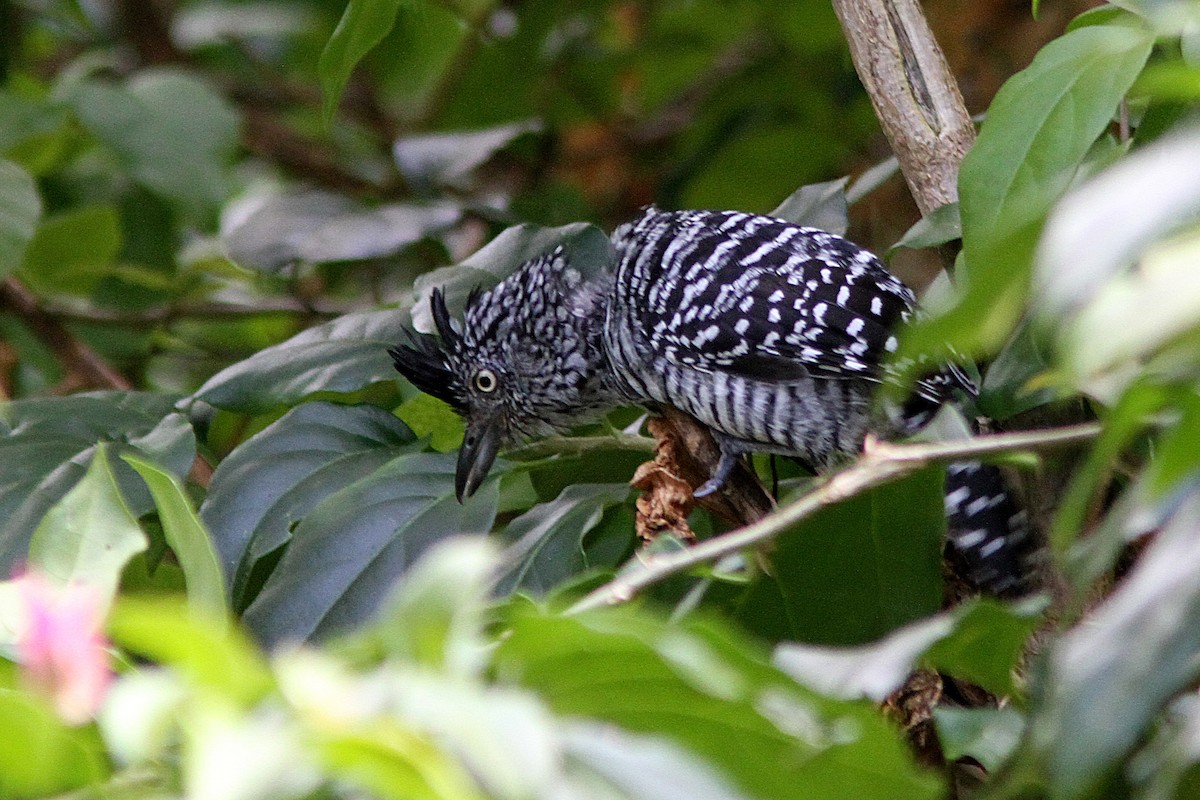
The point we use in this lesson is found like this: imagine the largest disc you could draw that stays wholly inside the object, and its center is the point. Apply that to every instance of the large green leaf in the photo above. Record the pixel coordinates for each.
(1101, 227)
(314, 227)
(641, 767)
(275, 478)
(208, 650)
(46, 445)
(186, 535)
(20, 209)
(1137, 649)
(981, 641)
(171, 130)
(437, 615)
(340, 356)
(40, 756)
(1040, 126)
(346, 554)
(71, 251)
(548, 540)
(89, 536)
(716, 697)
(857, 570)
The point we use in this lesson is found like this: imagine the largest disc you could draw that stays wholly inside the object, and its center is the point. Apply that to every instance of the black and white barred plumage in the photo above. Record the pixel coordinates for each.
(773, 335)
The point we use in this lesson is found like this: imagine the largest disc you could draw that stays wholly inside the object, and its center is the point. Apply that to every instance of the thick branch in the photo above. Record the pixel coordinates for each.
(881, 464)
(74, 355)
(914, 94)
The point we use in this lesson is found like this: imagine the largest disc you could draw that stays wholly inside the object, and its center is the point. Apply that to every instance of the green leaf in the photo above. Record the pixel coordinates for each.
(1167, 766)
(90, 535)
(46, 445)
(1121, 424)
(210, 651)
(988, 735)
(1039, 128)
(347, 553)
(398, 765)
(943, 224)
(818, 205)
(315, 227)
(1096, 234)
(548, 540)
(174, 133)
(71, 251)
(344, 355)
(1170, 17)
(981, 641)
(439, 161)
(988, 643)
(856, 570)
(39, 755)
(363, 25)
(433, 418)
(20, 210)
(276, 477)
(186, 535)
(643, 767)
(1019, 378)
(1131, 655)
(435, 617)
(714, 696)
(1112, 340)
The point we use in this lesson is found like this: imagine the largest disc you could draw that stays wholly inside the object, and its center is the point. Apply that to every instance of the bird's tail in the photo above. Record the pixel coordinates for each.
(990, 541)
(988, 533)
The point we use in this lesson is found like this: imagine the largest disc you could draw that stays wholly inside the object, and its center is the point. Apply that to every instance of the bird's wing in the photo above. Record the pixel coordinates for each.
(760, 297)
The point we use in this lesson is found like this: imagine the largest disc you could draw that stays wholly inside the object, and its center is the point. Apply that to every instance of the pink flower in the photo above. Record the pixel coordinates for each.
(61, 646)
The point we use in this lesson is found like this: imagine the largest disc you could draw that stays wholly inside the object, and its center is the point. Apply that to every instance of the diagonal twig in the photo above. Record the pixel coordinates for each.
(881, 464)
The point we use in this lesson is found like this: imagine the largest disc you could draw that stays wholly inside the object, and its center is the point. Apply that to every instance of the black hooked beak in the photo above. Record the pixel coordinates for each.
(475, 457)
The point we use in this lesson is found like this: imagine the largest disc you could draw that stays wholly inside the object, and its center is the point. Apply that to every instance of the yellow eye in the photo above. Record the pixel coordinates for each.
(485, 380)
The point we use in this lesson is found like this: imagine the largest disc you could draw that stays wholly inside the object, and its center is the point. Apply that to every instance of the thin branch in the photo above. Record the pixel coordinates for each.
(78, 358)
(578, 445)
(882, 463)
(158, 316)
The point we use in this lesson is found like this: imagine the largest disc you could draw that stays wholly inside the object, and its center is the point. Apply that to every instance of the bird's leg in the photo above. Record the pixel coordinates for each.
(731, 451)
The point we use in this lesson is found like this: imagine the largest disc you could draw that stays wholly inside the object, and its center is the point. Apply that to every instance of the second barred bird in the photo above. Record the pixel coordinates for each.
(773, 335)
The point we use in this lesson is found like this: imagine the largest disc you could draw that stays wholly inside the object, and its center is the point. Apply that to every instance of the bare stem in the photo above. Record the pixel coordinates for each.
(881, 464)
(577, 445)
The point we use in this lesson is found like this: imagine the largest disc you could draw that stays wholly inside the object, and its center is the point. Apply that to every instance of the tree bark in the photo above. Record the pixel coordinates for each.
(915, 96)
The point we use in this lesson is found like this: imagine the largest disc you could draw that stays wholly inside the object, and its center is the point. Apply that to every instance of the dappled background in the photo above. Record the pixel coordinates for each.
(231, 215)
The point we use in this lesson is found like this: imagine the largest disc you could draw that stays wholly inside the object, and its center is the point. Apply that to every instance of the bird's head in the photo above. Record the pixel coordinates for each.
(526, 361)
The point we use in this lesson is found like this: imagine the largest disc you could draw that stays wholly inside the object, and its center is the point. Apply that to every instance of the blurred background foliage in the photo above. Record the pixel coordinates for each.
(593, 110)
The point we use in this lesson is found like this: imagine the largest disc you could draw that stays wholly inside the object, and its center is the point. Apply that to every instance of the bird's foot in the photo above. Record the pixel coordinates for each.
(725, 467)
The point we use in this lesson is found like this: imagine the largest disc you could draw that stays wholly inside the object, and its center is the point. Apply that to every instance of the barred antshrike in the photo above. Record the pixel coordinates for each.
(771, 334)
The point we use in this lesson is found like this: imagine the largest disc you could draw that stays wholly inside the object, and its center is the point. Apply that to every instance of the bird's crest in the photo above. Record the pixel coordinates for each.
(424, 361)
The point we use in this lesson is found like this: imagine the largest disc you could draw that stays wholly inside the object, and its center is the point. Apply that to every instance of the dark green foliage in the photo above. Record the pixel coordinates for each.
(239, 209)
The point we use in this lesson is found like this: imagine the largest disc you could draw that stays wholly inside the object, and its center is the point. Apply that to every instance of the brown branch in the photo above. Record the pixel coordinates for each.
(79, 359)
(915, 96)
(211, 310)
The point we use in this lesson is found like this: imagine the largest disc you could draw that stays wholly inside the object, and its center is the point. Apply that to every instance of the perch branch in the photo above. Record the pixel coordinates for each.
(881, 464)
